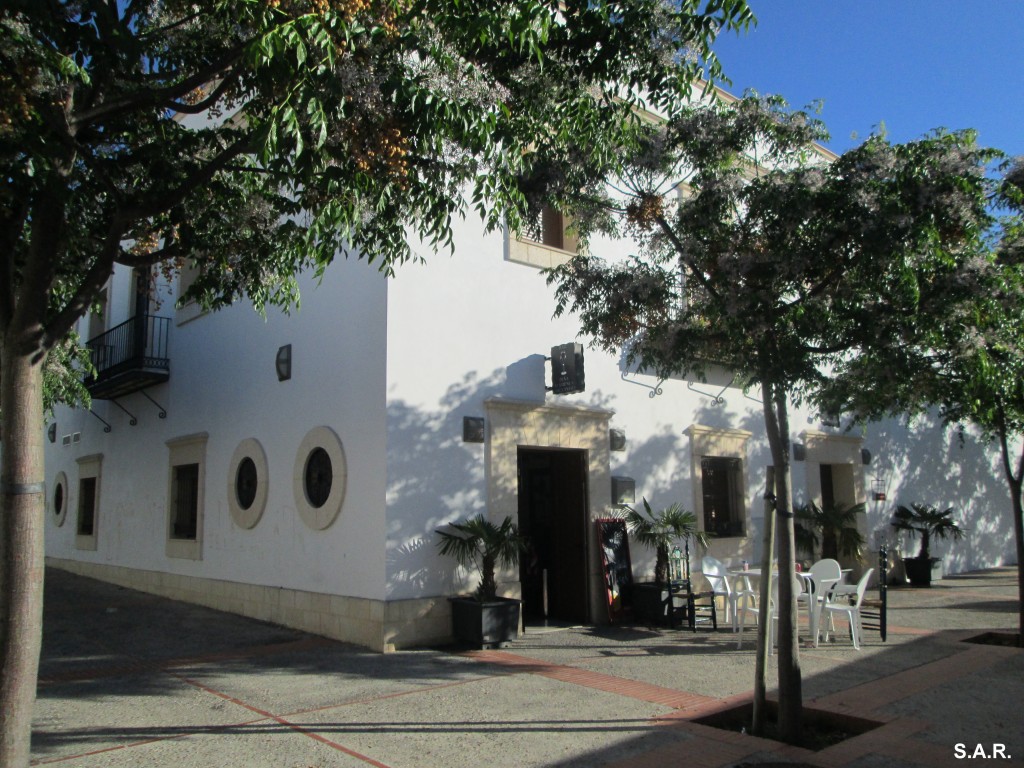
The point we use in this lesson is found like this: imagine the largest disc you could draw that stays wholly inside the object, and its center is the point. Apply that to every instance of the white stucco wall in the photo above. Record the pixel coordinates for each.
(473, 326)
(392, 367)
(223, 382)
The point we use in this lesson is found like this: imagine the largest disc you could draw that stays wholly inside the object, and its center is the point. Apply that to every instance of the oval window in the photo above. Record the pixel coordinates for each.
(58, 500)
(319, 477)
(246, 481)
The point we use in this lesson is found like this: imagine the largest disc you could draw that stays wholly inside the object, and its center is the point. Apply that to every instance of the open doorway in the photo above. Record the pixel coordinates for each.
(553, 517)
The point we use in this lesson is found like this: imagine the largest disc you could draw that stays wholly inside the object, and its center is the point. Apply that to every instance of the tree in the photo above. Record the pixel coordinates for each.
(963, 357)
(253, 139)
(756, 254)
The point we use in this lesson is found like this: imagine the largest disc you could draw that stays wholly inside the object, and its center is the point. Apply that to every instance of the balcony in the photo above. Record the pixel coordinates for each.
(129, 357)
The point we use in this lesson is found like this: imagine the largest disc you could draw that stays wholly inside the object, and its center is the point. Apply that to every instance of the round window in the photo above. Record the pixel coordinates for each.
(319, 477)
(246, 481)
(58, 500)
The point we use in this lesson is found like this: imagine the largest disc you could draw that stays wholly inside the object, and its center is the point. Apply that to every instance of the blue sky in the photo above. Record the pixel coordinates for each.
(913, 64)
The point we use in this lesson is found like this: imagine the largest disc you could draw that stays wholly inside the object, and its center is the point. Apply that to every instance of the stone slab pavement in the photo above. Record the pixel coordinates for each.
(130, 679)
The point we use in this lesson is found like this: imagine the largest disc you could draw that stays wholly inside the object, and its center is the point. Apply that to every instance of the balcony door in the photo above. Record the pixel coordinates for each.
(98, 316)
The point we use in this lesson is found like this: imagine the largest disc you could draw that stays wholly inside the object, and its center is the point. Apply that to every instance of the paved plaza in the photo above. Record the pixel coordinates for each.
(130, 679)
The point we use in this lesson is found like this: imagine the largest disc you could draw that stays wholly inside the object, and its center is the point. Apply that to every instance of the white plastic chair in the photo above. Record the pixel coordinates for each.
(851, 609)
(820, 580)
(773, 612)
(717, 576)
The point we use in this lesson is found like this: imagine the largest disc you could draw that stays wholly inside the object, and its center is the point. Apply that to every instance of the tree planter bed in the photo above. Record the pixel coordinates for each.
(821, 728)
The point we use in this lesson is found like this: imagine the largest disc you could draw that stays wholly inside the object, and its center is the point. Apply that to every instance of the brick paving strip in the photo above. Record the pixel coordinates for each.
(654, 694)
(714, 748)
(719, 748)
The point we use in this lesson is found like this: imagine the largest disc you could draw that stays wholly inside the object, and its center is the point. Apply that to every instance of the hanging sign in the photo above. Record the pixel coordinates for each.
(567, 369)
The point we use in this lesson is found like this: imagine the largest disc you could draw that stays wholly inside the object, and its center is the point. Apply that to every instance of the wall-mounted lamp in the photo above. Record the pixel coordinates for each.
(879, 489)
(616, 439)
(283, 362)
(623, 490)
(472, 429)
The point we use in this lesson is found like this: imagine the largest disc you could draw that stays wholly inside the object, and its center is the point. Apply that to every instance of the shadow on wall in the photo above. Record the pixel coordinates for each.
(944, 467)
(434, 477)
(665, 459)
(923, 462)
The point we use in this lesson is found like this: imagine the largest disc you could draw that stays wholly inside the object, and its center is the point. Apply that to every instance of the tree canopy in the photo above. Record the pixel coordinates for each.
(261, 137)
(253, 139)
(758, 252)
(963, 356)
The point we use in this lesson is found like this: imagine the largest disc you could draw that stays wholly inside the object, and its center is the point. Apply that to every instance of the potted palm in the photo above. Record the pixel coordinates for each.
(484, 619)
(834, 528)
(659, 531)
(930, 523)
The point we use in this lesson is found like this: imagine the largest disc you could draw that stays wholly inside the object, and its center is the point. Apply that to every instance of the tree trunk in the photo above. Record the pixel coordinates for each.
(776, 418)
(1018, 530)
(22, 505)
(1015, 480)
(764, 595)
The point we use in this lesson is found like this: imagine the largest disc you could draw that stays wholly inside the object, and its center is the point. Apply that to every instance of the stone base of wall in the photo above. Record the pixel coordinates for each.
(379, 625)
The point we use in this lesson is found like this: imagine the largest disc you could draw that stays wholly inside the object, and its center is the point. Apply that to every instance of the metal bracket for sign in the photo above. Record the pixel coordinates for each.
(715, 399)
(655, 390)
(132, 420)
(163, 411)
(107, 427)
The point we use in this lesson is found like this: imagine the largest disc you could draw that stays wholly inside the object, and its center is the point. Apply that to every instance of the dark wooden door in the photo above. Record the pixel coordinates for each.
(553, 515)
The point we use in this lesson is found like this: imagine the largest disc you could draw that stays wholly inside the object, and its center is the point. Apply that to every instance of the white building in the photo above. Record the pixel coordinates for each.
(211, 503)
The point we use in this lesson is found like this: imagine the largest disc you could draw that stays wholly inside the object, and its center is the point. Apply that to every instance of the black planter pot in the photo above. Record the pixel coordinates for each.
(919, 570)
(651, 604)
(485, 625)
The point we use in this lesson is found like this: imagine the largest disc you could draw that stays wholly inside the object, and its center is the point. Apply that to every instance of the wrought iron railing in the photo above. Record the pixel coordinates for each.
(140, 342)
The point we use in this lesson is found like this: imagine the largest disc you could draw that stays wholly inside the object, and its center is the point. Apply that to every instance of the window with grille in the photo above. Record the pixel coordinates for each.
(547, 228)
(546, 240)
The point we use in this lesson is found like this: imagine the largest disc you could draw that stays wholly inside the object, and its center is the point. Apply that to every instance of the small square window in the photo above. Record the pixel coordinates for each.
(546, 241)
